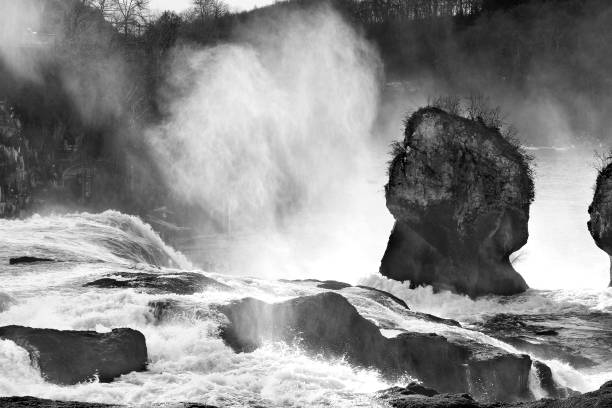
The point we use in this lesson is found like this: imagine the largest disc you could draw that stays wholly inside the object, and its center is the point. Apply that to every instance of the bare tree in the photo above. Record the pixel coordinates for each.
(125, 15)
(130, 14)
(103, 6)
(209, 9)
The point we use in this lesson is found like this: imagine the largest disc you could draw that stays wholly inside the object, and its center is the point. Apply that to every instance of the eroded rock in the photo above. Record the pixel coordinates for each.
(32, 402)
(183, 283)
(328, 324)
(28, 260)
(68, 357)
(460, 194)
(409, 397)
(600, 211)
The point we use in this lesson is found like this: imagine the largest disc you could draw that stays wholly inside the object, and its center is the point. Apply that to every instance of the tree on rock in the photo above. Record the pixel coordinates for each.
(460, 193)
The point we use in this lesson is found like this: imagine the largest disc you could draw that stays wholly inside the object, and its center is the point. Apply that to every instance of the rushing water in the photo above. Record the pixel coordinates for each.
(188, 360)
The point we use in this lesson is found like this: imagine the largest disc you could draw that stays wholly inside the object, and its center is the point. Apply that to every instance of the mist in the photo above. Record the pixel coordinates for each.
(271, 135)
(19, 22)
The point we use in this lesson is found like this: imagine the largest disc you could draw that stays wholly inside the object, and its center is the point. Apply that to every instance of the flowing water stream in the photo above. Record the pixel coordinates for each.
(188, 360)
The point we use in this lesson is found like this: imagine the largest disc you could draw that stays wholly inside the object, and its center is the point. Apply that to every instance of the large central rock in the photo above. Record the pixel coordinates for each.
(460, 194)
(600, 224)
(327, 324)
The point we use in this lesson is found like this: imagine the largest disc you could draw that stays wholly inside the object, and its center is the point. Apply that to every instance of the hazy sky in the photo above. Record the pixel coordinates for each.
(180, 5)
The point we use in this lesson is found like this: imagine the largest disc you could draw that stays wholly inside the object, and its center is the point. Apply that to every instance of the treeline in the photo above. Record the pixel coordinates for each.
(504, 47)
(97, 67)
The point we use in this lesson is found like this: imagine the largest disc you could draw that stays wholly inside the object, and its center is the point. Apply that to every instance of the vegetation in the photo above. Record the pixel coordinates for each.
(115, 53)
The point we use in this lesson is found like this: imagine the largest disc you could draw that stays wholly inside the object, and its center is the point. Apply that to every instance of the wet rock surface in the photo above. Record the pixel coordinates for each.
(412, 397)
(600, 211)
(550, 337)
(28, 260)
(183, 283)
(328, 324)
(31, 402)
(552, 389)
(380, 296)
(460, 194)
(69, 357)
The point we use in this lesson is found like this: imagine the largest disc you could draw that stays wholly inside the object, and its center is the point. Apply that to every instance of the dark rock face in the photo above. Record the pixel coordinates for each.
(31, 402)
(184, 283)
(410, 397)
(385, 295)
(328, 324)
(553, 390)
(27, 260)
(411, 389)
(380, 296)
(70, 357)
(460, 194)
(335, 285)
(600, 210)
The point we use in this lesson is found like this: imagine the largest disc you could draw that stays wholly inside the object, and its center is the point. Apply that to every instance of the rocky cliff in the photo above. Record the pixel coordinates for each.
(460, 194)
(600, 224)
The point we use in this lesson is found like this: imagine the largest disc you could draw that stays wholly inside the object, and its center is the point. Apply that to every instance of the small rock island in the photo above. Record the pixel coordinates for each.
(460, 194)
(600, 210)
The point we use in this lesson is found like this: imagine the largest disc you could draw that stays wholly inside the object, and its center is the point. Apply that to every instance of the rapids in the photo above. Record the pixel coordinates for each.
(188, 360)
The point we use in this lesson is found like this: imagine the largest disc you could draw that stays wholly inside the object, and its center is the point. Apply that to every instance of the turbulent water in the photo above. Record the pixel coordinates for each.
(188, 360)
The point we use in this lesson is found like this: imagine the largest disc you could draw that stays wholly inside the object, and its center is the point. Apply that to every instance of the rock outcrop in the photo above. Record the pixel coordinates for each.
(600, 210)
(460, 194)
(543, 342)
(328, 324)
(414, 396)
(69, 357)
(32, 402)
(28, 260)
(181, 283)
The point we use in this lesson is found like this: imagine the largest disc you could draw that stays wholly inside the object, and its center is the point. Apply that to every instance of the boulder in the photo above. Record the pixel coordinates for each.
(329, 325)
(382, 296)
(28, 260)
(600, 210)
(460, 195)
(410, 397)
(32, 402)
(68, 357)
(182, 283)
(548, 384)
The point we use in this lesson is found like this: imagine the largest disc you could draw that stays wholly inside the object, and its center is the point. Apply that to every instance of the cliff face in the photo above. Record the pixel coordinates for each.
(600, 224)
(14, 177)
(460, 194)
